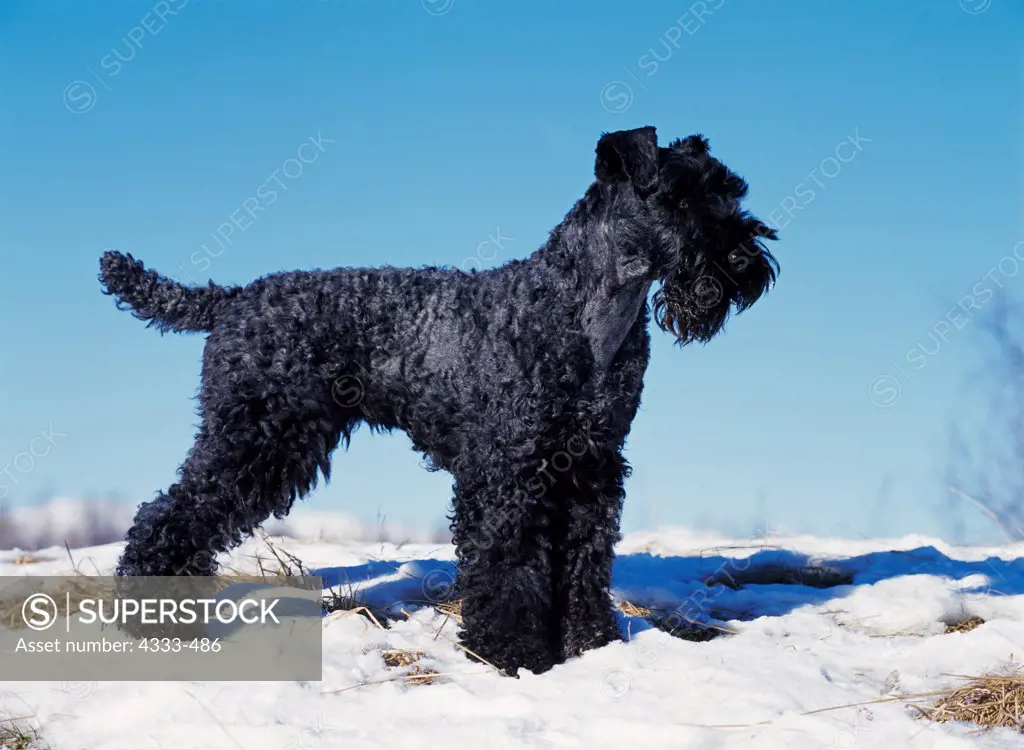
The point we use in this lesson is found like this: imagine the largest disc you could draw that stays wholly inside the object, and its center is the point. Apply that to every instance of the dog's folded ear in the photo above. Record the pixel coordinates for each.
(629, 155)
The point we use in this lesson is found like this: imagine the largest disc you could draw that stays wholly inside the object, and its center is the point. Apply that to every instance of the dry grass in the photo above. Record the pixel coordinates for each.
(684, 628)
(69, 596)
(82, 586)
(452, 609)
(419, 675)
(633, 610)
(965, 625)
(72, 592)
(284, 564)
(28, 559)
(399, 657)
(16, 734)
(346, 599)
(416, 673)
(278, 566)
(988, 701)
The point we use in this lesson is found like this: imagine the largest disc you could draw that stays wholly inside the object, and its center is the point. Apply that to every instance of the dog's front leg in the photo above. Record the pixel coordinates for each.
(501, 531)
(587, 529)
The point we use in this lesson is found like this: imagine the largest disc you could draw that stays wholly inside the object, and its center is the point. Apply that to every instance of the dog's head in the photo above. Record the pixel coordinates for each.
(695, 236)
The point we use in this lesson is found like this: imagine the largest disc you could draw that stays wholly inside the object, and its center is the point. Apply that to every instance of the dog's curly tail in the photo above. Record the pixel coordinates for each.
(163, 303)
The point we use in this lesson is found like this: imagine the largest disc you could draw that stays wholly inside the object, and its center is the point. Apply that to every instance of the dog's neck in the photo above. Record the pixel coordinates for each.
(598, 251)
(601, 241)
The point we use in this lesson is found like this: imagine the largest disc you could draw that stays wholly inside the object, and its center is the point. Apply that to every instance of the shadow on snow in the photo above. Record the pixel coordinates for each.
(701, 588)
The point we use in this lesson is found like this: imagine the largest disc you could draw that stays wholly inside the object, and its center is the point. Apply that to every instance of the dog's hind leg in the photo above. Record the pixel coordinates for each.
(259, 448)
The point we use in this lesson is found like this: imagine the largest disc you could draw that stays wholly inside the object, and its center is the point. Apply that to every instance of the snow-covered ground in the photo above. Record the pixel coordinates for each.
(798, 655)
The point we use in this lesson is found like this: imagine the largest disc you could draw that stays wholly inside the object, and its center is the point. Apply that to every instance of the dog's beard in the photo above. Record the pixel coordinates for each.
(696, 298)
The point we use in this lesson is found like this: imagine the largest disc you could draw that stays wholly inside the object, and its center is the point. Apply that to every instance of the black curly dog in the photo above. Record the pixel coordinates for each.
(521, 381)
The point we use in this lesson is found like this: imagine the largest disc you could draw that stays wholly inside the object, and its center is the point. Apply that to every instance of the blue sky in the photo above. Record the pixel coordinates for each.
(883, 139)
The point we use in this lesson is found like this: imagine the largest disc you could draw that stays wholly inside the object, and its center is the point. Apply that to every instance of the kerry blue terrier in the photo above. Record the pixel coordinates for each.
(521, 381)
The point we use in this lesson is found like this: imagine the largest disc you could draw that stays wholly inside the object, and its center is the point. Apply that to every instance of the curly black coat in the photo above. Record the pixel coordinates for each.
(521, 381)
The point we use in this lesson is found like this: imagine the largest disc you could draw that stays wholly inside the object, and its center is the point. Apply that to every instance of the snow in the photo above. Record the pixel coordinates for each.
(796, 650)
(81, 523)
(71, 520)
